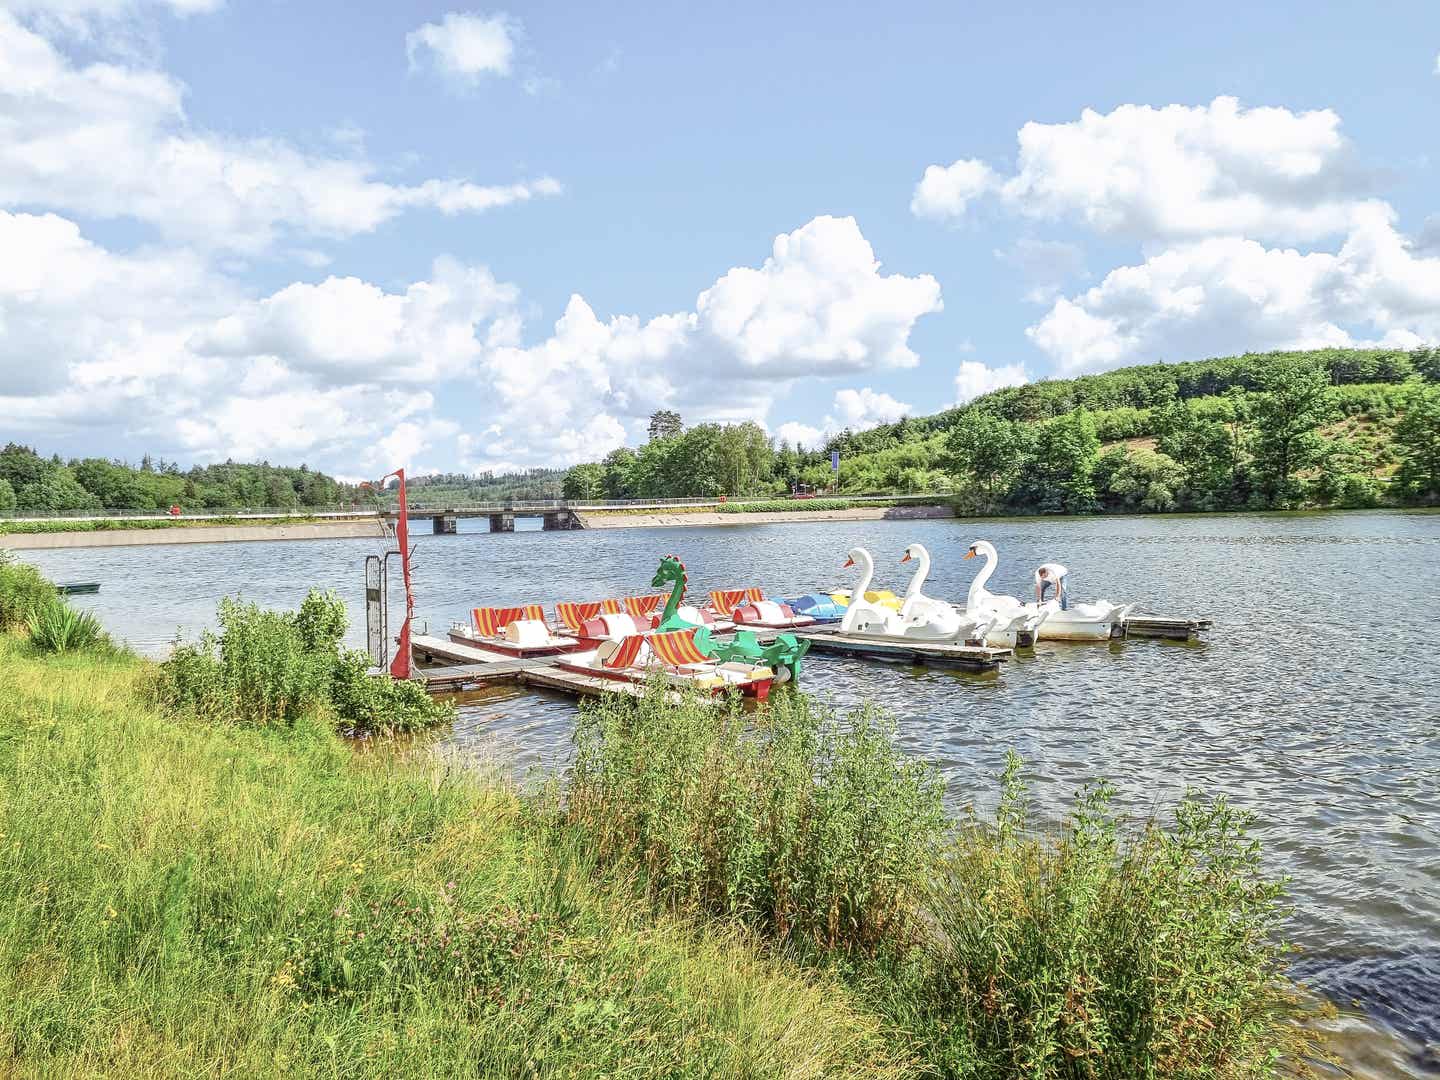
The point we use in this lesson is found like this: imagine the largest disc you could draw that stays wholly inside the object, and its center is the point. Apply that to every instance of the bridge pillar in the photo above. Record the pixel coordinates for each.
(444, 524)
(558, 519)
(502, 523)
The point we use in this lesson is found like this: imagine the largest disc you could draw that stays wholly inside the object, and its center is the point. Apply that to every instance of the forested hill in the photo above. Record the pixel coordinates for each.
(1348, 427)
(32, 483)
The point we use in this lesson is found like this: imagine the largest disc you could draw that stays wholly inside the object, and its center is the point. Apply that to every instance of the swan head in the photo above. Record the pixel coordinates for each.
(981, 547)
(858, 555)
(914, 551)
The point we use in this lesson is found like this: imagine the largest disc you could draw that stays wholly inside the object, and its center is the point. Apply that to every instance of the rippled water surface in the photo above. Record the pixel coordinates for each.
(1314, 703)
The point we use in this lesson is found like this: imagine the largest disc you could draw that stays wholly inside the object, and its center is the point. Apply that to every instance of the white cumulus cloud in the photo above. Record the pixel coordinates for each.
(945, 191)
(113, 141)
(1228, 295)
(975, 378)
(866, 408)
(465, 45)
(1177, 172)
(798, 434)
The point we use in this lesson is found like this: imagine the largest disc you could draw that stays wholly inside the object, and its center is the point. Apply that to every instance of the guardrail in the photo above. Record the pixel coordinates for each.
(422, 508)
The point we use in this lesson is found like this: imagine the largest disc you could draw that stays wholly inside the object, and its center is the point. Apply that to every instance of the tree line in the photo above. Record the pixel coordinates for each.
(1347, 427)
(32, 483)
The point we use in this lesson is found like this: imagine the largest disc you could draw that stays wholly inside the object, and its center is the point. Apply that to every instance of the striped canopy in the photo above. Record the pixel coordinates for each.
(491, 621)
(574, 613)
(640, 606)
(625, 653)
(724, 601)
(677, 648)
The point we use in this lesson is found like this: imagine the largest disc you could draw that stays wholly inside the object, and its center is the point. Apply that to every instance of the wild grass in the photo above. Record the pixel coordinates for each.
(22, 589)
(1101, 951)
(56, 627)
(180, 898)
(814, 832)
(274, 668)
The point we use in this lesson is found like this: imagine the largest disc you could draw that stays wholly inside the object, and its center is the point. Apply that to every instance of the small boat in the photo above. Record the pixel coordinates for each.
(675, 658)
(1099, 620)
(821, 607)
(71, 588)
(515, 631)
(748, 607)
(939, 620)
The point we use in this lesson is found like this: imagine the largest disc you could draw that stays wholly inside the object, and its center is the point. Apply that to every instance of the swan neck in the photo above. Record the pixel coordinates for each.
(922, 571)
(977, 587)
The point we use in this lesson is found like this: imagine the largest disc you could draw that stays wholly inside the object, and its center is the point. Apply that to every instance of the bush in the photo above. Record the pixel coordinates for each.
(22, 590)
(274, 667)
(57, 627)
(1097, 954)
(813, 831)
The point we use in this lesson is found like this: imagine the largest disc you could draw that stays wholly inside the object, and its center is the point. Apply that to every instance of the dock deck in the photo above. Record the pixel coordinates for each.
(1167, 627)
(471, 668)
(928, 653)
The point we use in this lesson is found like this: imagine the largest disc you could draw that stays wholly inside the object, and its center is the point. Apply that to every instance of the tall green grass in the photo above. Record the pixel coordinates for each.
(22, 589)
(1103, 950)
(274, 668)
(180, 898)
(57, 627)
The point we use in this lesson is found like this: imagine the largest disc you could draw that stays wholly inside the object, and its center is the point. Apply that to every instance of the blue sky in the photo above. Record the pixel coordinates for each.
(345, 233)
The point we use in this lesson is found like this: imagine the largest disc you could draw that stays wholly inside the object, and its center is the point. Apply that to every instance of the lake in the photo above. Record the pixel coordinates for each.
(1314, 702)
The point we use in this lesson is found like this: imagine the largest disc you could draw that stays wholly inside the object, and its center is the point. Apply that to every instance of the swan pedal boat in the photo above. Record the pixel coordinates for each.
(519, 631)
(675, 658)
(919, 618)
(1097, 621)
(821, 607)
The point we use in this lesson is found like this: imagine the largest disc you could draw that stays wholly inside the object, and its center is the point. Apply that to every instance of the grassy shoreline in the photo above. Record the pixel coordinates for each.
(199, 874)
(62, 525)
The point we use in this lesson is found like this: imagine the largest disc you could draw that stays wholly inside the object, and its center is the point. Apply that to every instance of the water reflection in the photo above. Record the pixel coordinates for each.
(1314, 703)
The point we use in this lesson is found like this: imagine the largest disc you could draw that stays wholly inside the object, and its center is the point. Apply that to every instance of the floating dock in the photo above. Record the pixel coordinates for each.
(472, 668)
(927, 653)
(1171, 629)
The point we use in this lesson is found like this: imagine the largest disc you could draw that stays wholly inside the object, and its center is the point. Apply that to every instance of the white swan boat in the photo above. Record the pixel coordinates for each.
(926, 620)
(1013, 621)
(1099, 620)
(944, 618)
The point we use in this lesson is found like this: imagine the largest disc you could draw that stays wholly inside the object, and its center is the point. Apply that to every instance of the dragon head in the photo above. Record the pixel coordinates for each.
(671, 569)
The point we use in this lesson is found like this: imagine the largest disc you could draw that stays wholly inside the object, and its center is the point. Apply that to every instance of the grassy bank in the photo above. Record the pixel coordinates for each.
(64, 525)
(199, 875)
(180, 898)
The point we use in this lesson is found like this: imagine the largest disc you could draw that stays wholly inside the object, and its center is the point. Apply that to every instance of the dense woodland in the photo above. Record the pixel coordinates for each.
(30, 483)
(1333, 427)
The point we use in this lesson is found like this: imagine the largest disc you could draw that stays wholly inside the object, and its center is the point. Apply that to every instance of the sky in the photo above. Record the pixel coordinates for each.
(364, 235)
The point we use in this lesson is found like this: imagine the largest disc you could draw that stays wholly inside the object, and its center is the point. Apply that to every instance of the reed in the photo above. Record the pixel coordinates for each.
(56, 627)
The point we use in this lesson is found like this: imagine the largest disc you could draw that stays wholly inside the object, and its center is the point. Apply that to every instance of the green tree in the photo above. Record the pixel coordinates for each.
(981, 450)
(1139, 480)
(57, 491)
(665, 424)
(619, 477)
(1203, 450)
(1417, 440)
(1297, 399)
(7, 496)
(584, 482)
(21, 465)
(1058, 474)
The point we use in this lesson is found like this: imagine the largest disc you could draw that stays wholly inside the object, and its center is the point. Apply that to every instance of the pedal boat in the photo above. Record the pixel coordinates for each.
(749, 608)
(674, 658)
(519, 631)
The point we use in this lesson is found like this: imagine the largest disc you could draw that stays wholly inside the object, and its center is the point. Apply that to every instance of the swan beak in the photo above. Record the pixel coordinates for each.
(848, 563)
(906, 557)
(970, 554)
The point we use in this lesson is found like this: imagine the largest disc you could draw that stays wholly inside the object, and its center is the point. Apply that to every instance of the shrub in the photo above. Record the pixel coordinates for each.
(366, 704)
(22, 590)
(273, 667)
(1098, 954)
(811, 830)
(57, 627)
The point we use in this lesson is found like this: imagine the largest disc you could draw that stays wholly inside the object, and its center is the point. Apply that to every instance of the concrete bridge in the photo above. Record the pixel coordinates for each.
(557, 514)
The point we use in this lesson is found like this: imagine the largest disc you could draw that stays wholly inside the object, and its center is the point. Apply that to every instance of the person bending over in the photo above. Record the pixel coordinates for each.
(1052, 574)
